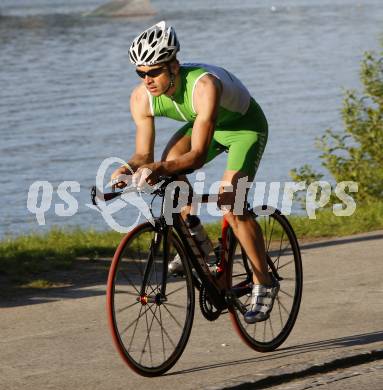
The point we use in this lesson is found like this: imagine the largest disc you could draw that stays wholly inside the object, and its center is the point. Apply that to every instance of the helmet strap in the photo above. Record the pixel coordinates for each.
(172, 79)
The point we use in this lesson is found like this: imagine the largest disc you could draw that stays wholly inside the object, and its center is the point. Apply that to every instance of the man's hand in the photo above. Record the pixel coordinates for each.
(120, 177)
(146, 175)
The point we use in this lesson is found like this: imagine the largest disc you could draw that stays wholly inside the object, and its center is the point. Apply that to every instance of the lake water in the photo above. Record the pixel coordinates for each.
(65, 82)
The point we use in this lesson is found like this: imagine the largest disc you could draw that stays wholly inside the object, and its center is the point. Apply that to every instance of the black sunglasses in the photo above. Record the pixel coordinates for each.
(151, 73)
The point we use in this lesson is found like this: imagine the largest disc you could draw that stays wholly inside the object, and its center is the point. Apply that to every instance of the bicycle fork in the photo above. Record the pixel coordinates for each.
(160, 297)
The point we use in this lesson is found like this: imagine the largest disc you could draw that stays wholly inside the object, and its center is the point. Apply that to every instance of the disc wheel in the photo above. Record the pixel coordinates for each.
(284, 261)
(149, 329)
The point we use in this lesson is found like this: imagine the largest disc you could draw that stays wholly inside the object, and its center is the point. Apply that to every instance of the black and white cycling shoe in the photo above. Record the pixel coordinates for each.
(175, 266)
(262, 301)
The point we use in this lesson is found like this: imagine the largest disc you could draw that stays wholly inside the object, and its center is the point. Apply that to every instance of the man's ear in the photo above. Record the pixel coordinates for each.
(175, 66)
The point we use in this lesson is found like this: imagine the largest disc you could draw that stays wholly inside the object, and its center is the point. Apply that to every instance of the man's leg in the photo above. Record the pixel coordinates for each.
(249, 234)
(178, 145)
(245, 228)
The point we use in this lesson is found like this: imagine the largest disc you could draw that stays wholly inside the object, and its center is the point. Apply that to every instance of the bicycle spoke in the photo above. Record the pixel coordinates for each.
(264, 331)
(149, 284)
(149, 329)
(176, 290)
(122, 292)
(171, 315)
(271, 328)
(127, 307)
(129, 280)
(162, 333)
(155, 273)
(166, 333)
(238, 275)
(284, 292)
(174, 305)
(134, 321)
(280, 251)
(285, 265)
(135, 328)
(271, 235)
(153, 291)
(153, 268)
(283, 306)
(246, 301)
(143, 348)
(135, 263)
(280, 313)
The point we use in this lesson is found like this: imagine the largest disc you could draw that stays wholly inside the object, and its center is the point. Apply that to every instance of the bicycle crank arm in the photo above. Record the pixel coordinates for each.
(233, 300)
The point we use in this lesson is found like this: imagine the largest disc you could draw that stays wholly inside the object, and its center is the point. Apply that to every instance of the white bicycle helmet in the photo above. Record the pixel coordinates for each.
(155, 45)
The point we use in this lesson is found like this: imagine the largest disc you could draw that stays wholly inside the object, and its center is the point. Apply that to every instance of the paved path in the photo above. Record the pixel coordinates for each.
(60, 339)
(367, 376)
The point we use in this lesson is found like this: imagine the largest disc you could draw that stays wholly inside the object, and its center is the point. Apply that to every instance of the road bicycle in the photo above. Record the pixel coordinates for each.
(150, 311)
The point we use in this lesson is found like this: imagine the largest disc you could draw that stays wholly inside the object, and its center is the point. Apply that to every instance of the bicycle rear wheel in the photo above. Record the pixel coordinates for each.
(149, 330)
(284, 261)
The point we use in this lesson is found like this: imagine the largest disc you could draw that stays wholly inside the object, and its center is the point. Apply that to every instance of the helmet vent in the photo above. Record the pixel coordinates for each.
(144, 54)
(150, 57)
(133, 56)
(162, 56)
(151, 36)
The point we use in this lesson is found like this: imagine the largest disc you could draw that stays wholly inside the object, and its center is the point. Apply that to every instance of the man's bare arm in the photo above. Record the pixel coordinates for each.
(140, 110)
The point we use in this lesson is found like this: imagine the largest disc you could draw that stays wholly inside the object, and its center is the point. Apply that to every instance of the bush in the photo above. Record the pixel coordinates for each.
(356, 153)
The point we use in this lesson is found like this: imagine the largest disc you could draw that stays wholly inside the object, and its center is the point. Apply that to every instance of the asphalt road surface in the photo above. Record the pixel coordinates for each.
(59, 339)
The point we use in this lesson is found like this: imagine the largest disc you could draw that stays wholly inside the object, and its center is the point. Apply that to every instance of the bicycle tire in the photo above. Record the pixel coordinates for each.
(262, 336)
(159, 340)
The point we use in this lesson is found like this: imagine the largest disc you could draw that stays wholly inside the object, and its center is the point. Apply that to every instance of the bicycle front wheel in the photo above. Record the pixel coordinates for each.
(284, 262)
(149, 329)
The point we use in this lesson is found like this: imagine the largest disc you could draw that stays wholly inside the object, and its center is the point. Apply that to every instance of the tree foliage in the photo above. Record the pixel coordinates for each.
(356, 153)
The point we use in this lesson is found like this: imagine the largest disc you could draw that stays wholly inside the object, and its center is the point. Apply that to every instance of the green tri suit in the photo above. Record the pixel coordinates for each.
(241, 127)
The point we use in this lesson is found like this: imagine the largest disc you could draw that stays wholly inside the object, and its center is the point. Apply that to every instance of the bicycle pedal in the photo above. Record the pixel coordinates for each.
(232, 300)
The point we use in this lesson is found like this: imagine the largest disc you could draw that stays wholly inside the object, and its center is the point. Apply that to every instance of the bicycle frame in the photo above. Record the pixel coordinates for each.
(217, 285)
(215, 290)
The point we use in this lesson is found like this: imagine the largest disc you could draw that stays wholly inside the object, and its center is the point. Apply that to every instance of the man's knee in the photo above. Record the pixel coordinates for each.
(234, 219)
(228, 202)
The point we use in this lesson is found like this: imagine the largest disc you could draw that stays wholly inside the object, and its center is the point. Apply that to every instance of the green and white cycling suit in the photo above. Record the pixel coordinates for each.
(241, 127)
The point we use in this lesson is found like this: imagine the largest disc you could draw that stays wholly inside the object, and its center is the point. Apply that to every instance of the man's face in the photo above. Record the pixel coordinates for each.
(156, 78)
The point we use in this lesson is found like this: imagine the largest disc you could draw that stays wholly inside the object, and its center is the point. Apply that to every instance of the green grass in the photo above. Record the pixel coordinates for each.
(366, 218)
(37, 253)
(24, 258)
(38, 283)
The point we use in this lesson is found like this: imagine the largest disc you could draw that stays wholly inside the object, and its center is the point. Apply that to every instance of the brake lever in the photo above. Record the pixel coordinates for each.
(94, 194)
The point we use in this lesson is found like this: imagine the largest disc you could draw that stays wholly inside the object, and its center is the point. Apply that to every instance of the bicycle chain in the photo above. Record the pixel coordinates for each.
(208, 310)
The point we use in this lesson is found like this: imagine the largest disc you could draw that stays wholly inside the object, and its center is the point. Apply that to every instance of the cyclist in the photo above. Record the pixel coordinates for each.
(220, 115)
